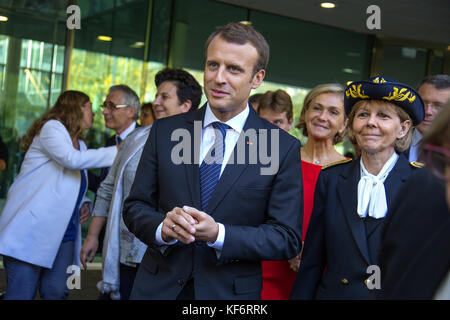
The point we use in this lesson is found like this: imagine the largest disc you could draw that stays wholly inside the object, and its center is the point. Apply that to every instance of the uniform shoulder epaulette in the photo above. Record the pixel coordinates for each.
(417, 164)
(336, 163)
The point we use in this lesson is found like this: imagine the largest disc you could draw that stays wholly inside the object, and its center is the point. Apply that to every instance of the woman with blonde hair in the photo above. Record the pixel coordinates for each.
(40, 233)
(352, 198)
(322, 120)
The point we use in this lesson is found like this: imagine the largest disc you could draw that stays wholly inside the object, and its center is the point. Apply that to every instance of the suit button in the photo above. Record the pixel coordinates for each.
(344, 281)
(181, 282)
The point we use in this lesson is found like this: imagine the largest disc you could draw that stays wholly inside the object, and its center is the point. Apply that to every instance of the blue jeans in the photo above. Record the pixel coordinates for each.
(23, 279)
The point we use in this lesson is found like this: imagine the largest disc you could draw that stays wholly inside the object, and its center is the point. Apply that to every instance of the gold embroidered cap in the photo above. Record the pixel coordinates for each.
(385, 89)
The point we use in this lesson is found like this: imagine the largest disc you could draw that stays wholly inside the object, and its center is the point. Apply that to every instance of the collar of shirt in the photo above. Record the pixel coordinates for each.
(127, 131)
(416, 137)
(415, 142)
(236, 123)
(371, 192)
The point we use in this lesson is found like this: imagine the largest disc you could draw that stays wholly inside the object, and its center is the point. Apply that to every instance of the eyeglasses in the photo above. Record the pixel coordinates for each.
(434, 105)
(114, 108)
(437, 158)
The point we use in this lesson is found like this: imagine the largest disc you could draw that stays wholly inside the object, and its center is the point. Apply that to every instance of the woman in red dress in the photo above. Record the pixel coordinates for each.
(323, 121)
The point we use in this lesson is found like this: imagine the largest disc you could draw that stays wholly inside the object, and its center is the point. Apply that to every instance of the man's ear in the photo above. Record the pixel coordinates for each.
(290, 122)
(186, 106)
(131, 112)
(258, 78)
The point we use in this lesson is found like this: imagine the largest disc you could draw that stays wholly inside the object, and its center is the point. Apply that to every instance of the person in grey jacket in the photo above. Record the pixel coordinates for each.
(177, 92)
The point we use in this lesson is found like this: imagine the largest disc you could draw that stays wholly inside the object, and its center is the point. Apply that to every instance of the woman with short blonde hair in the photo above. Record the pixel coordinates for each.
(352, 198)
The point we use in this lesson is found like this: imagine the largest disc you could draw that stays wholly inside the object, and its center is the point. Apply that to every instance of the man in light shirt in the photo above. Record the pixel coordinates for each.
(120, 111)
(435, 92)
(208, 224)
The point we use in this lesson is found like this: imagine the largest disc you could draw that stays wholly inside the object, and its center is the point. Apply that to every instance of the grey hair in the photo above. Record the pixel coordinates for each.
(130, 98)
(439, 81)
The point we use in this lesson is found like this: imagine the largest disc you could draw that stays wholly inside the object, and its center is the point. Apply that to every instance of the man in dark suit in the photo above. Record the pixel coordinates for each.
(211, 218)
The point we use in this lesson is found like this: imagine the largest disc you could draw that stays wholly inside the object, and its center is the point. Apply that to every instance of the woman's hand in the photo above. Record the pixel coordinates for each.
(294, 263)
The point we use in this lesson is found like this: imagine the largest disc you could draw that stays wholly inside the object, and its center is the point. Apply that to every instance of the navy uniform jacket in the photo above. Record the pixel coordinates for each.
(261, 215)
(415, 247)
(339, 245)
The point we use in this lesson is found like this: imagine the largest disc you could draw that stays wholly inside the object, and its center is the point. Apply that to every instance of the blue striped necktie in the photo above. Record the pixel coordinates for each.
(211, 165)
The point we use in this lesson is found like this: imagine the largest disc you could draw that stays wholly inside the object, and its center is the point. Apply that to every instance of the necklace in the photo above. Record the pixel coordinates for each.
(316, 161)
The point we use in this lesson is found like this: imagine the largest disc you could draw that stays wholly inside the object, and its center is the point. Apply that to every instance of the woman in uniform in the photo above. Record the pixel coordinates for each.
(352, 198)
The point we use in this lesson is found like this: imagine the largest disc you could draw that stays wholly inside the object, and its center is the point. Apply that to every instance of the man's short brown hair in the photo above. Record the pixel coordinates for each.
(241, 34)
(278, 101)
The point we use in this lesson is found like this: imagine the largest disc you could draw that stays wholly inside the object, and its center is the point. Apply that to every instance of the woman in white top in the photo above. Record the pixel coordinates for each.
(352, 198)
(40, 232)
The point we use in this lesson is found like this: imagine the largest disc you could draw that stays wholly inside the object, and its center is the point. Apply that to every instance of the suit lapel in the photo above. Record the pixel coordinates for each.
(233, 169)
(348, 195)
(396, 178)
(195, 125)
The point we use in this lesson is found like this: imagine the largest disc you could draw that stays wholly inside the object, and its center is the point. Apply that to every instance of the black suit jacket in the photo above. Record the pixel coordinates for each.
(415, 250)
(339, 245)
(261, 214)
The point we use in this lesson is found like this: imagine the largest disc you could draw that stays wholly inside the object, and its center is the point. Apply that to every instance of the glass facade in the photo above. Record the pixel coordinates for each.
(38, 59)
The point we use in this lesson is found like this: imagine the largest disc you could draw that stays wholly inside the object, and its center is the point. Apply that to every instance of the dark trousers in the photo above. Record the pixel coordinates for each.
(127, 276)
(188, 291)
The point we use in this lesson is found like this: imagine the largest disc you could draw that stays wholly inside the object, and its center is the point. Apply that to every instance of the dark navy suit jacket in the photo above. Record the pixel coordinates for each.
(339, 245)
(415, 247)
(261, 215)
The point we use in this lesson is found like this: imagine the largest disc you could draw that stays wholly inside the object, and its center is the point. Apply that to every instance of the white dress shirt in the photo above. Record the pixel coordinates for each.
(127, 131)
(208, 136)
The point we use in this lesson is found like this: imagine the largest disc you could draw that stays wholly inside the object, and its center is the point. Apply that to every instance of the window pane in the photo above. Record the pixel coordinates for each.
(194, 22)
(306, 54)
(407, 65)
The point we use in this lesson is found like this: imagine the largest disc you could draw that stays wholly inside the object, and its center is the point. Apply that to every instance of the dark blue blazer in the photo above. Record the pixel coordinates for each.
(415, 246)
(261, 214)
(339, 245)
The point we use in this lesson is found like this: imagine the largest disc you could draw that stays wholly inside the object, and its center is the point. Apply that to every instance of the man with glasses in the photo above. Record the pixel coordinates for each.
(435, 92)
(120, 111)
